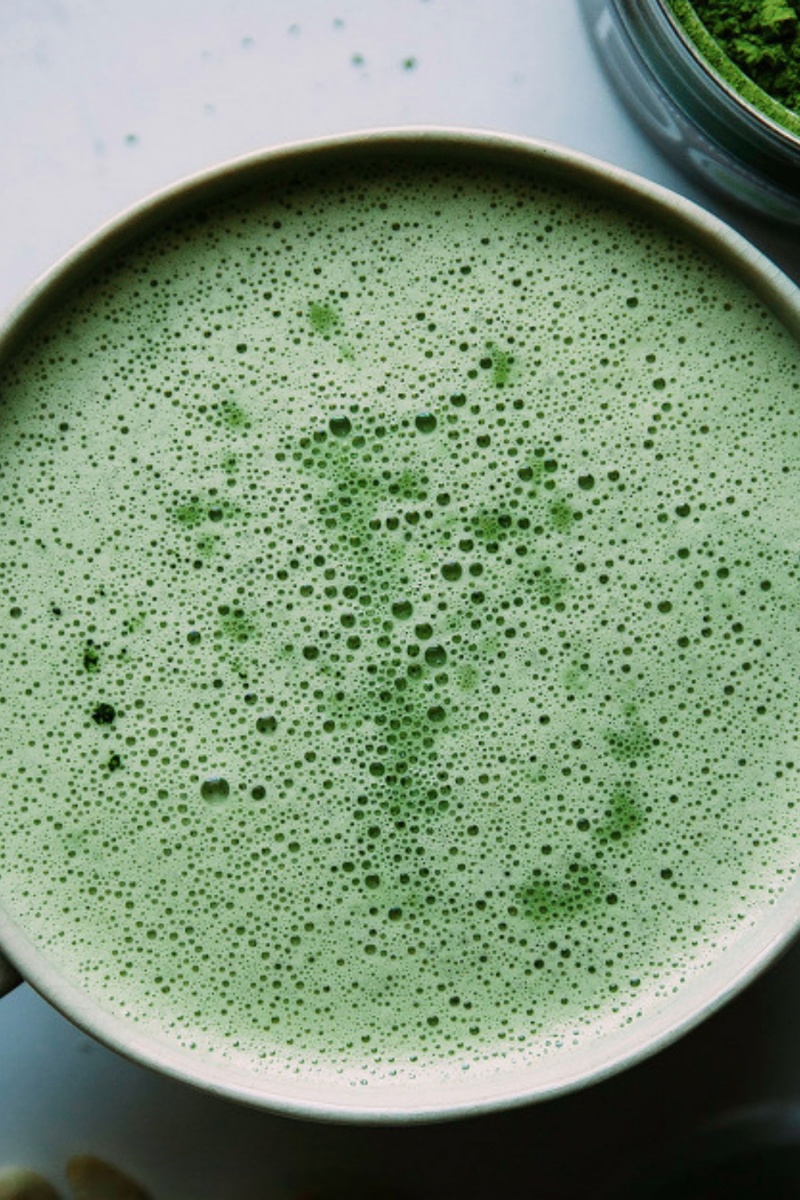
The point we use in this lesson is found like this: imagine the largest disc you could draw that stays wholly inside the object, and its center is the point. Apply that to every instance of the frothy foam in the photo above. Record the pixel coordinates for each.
(400, 643)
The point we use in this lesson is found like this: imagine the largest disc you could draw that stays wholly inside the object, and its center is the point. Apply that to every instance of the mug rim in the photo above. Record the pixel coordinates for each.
(505, 1089)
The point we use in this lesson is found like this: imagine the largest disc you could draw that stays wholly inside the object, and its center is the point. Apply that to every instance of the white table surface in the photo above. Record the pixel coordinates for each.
(102, 102)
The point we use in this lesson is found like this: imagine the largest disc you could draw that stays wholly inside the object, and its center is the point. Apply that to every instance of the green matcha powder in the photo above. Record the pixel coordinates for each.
(755, 46)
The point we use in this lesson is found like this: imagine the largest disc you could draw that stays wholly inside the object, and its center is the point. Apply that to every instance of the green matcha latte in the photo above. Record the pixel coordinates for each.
(399, 622)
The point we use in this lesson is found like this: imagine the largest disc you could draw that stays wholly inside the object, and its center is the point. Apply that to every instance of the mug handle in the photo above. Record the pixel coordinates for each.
(9, 976)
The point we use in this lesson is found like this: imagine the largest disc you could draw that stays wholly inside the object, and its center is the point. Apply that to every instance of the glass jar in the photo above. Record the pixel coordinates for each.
(696, 116)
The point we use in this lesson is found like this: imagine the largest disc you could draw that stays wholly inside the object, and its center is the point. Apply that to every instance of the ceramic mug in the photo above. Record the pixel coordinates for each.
(528, 1065)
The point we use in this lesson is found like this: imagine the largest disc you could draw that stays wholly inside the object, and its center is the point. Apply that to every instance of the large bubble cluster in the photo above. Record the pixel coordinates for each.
(398, 618)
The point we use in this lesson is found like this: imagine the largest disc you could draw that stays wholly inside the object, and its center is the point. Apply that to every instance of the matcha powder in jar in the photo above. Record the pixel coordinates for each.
(754, 45)
(716, 84)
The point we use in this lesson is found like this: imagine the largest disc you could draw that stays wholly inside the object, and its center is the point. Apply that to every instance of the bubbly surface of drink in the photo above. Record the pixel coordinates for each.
(398, 621)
